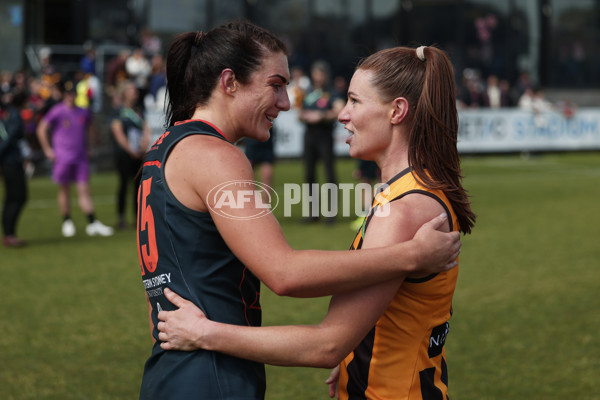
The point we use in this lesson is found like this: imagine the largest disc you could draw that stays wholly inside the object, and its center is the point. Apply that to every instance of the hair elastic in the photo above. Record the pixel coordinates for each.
(421, 53)
(198, 38)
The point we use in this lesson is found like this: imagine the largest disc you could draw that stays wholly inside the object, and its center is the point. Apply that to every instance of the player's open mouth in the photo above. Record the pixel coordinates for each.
(349, 138)
(270, 118)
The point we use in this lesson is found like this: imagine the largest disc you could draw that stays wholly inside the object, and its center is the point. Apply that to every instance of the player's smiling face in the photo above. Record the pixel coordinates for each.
(264, 97)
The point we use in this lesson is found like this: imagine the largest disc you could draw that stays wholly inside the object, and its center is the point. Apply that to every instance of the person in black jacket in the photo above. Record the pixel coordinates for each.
(12, 131)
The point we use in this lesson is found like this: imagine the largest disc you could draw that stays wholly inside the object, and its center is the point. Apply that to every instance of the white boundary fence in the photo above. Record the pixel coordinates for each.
(480, 131)
(509, 130)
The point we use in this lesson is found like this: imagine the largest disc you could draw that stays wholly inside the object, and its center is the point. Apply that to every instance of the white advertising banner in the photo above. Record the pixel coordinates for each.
(480, 131)
(511, 130)
(289, 136)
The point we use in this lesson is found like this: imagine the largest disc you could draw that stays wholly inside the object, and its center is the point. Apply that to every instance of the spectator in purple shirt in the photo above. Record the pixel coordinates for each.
(67, 150)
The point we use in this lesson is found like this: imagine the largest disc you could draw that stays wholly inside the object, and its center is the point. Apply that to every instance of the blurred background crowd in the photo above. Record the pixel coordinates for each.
(144, 66)
(534, 54)
(102, 95)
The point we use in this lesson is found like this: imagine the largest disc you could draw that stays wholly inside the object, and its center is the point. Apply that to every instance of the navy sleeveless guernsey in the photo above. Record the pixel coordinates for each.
(181, 249)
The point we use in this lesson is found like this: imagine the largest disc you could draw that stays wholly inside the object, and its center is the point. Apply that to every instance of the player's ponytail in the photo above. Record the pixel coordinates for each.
(434, 135)
(178, 57)
(425, 78)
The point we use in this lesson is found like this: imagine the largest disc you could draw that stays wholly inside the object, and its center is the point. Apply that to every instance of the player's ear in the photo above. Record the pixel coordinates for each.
(228, 82)
(399, 110)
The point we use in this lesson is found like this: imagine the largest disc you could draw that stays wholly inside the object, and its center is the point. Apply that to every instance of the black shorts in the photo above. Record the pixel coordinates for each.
(368, 170)
(260, 152)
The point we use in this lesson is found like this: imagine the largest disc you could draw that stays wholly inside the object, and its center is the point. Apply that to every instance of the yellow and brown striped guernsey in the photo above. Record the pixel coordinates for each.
(403, 356)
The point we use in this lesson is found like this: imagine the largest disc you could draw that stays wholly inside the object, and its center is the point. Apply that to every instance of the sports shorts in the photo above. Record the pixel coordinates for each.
(72, 171)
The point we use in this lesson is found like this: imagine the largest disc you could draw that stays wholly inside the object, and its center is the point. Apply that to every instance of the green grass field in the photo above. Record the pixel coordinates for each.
(73, 318)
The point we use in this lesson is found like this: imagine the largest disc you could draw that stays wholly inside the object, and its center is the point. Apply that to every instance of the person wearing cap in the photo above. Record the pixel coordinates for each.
(67, 149)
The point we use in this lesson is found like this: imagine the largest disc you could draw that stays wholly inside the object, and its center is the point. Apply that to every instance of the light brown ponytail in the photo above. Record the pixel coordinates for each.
(425, 77)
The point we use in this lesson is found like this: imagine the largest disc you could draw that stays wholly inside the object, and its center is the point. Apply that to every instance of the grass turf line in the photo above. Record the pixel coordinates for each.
(74, 318)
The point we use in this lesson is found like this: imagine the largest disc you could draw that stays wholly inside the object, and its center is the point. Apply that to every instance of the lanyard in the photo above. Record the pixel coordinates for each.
(133, 117)
(3, 133)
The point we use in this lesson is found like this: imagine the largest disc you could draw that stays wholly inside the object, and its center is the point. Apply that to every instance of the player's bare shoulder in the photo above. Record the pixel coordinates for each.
(399, 220)
(423, 208)
(198, 163)
(212, 149)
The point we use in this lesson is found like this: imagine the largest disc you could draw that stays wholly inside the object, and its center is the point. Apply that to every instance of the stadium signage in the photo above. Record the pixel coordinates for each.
(480, 131)
(521, 131)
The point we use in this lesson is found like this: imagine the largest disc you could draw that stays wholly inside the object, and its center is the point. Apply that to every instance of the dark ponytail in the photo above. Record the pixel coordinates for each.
(425, 77)
(195, 61)
(178, 58)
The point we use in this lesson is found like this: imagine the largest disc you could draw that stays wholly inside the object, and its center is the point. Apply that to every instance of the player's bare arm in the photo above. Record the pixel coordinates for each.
(351, 315)
(259, 243)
